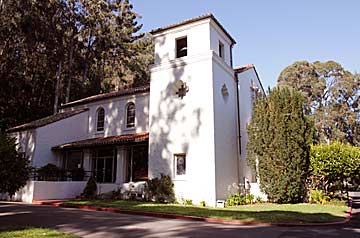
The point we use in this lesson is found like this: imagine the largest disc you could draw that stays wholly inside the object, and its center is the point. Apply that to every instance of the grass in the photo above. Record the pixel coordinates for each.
(270, 213)
(31, 232)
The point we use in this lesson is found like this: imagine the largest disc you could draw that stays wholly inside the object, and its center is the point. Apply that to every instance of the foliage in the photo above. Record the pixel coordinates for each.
(90, 188)
(14, 168)
(188, 202)
(259, 200)
(203, 203)
(160, 189)
(54, 51)
(249, 198)
(334, 166)
(49, 172)
(7, 231)
(236, 199)
(280, 136)
(332, 97)
(318, 197)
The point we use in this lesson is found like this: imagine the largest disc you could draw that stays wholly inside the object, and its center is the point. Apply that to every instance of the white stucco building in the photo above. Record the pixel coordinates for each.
(189, 123)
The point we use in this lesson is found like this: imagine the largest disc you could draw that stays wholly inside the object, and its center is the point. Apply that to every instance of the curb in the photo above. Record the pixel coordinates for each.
(60, 203)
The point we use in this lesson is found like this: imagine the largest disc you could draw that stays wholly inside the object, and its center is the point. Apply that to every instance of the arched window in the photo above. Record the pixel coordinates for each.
(100, 119)
(130, 115)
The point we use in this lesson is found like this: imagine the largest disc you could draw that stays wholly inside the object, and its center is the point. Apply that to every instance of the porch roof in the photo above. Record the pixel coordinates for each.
(101, 141)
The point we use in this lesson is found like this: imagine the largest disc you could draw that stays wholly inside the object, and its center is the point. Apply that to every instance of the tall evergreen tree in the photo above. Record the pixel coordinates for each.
(280, 136)
(55, 51)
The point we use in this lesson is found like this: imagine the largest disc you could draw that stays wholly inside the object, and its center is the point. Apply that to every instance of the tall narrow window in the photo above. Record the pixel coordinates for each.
(100, 119)
(130, 115)
(180, 164)
(181, 47)
(221, 50)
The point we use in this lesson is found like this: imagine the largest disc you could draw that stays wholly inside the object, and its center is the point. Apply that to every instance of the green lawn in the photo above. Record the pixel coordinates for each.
(31, 232)
(272, 213)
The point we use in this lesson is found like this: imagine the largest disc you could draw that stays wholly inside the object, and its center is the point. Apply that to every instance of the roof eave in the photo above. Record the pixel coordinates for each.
(192, 20)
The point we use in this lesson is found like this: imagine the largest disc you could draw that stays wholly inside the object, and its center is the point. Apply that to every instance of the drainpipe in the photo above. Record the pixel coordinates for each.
(238, 124)
(238, 112)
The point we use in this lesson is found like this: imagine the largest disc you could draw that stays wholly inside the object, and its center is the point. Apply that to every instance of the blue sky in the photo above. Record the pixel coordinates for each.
(272, 34)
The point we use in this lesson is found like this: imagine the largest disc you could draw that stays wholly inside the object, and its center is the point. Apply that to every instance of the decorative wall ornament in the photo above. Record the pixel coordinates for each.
(180, 88)
(224, 90)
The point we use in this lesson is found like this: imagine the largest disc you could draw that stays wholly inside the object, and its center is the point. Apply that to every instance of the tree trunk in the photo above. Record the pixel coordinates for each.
(57, 89)
(71, 61)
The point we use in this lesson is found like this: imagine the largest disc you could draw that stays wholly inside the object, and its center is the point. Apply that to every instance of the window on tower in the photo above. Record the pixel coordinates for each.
(221, 50)
(181, 47)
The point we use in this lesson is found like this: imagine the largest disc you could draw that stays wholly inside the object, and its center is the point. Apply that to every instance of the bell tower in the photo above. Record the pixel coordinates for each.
(192, 112)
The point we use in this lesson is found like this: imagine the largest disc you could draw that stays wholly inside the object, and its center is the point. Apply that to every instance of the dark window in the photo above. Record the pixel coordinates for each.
(180, 164)
(137, 163)
(100, 119)
(221, 50)
(130, 115)
(181, 47)
(73, 160)
(104, 165)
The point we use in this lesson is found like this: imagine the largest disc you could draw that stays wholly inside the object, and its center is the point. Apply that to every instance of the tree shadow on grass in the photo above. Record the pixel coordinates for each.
(270, 216)
(106, 224)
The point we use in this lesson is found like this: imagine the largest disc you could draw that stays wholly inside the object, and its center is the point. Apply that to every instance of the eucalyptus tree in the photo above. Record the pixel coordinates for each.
(332, 97)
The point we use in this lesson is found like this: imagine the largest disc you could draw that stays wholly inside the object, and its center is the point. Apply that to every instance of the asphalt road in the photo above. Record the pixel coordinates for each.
(105, 224)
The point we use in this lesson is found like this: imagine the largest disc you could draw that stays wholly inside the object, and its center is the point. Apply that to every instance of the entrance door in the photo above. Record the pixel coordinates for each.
(137, 164)
(104, 165)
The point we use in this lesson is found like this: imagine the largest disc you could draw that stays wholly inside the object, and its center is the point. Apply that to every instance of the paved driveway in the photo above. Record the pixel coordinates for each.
(104, 224)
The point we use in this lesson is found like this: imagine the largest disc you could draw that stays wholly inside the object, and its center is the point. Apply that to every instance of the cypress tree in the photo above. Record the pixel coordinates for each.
(280, 136)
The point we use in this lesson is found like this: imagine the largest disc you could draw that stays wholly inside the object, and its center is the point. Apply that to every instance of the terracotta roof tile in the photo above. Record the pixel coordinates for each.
(46, 120)
(124, 92)
(240, 69)
(101, 141)
(192, 20)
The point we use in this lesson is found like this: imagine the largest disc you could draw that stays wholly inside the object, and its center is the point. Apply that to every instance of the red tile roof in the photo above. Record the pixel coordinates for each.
(101, 141)
(124, 92)
(46, 120)
(240, 69)
(192, 20)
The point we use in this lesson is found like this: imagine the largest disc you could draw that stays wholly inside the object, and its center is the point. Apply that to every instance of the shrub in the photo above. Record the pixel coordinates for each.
(318, 197)
(90, 188)
(259, 200)
(235, 200)
(334, 166)
(14, 168)
(280, 136)
(249, 198)
(188, 202)
(49, 172)
(160, 189)
(203, 203)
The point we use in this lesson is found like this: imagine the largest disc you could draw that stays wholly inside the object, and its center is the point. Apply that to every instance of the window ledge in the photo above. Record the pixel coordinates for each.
(129, 128)
(97, 133)
(180, 178)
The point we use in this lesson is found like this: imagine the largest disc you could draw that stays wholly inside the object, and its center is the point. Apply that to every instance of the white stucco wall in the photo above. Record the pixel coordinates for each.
(217, 35)
(115, 115)
(25, 194)
(46, 190)
(193, 125)
(197, 41)
(246, 79)
(225, 126)
(184, 126)
(26, 142)
(67, 130)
